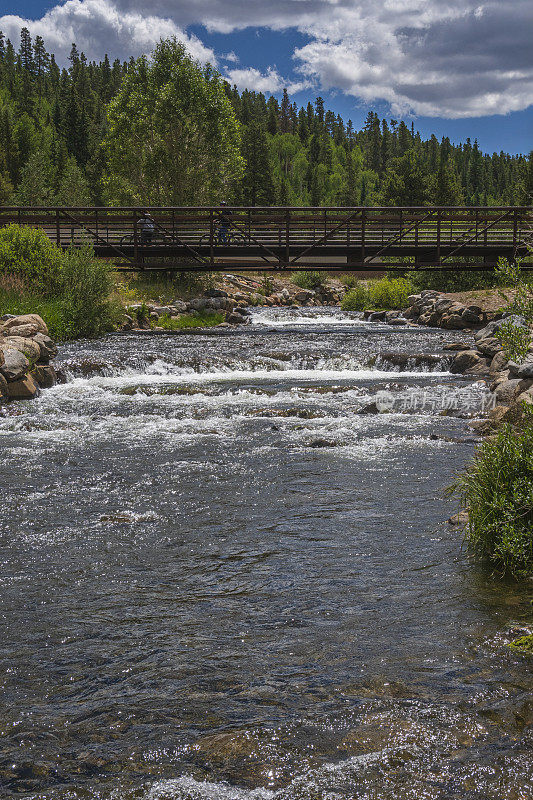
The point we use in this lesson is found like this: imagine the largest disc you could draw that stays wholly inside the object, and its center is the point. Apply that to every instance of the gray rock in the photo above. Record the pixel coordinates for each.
(15, 364)
(456, 346)
(444, 304)
(26, 319)
(454, 322)
(464, 361)
(498, 363)
(377, 316)
(523, 370)
(489, 347)
(179, 306)
(489, 330)
(473, 315)
(506, 391)
(45, 376)
(48, 347)
(215, 293)
(24, 345)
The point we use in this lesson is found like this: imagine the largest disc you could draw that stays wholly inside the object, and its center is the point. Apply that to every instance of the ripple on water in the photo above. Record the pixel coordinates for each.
(221, 581)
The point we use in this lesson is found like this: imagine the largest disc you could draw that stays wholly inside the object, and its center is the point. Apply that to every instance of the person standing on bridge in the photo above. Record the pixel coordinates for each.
(147, 226)
(224, 223)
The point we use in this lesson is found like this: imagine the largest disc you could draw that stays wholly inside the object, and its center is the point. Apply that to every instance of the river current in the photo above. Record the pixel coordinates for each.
(221, 581)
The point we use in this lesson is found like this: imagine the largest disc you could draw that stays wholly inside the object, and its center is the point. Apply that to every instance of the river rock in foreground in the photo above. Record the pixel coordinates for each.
(26, 350)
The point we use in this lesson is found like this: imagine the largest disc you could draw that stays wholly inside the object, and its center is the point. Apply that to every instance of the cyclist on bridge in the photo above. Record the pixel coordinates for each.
(147, 226)
(223, 223)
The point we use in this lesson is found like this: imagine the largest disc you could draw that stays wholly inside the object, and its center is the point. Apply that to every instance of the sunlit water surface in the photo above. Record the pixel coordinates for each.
(219, 581)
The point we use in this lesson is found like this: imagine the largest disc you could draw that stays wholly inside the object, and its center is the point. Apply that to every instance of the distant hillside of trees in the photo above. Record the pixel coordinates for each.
(167, 130)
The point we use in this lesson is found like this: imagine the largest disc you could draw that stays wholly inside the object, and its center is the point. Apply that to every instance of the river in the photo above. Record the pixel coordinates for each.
(220, 581)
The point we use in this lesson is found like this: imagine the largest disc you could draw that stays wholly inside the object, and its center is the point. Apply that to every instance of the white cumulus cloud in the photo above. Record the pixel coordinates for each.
(446, 58)
(269, 82)
(99, 27)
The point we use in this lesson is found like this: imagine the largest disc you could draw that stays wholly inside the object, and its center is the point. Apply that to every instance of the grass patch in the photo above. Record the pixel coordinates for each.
(200, 319)
(497, 491)
(164, 287)
(384, 294)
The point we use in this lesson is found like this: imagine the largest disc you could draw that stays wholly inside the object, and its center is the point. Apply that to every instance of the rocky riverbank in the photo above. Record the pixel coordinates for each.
(232, 300)
(511, 382)
(26, 351)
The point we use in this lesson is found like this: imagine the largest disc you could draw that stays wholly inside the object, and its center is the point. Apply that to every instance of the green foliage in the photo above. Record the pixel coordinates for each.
(167, 286)
(515, 341)
(524, 644)
(200, 319)
(69, 290)
(456, 280)
(28, 253)
(172, 138)
(87, 283)
(497, 491)
(387, 293)
(520, 301)
(173, 134)
(308, 279)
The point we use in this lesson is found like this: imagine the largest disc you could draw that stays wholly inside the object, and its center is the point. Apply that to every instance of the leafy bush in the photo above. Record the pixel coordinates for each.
(387, 293)
(308, 279)
(70, 290)
(521, 301)
(497, 491)
(457, 280)
(86, 288)
(29, 254)
(515, 341)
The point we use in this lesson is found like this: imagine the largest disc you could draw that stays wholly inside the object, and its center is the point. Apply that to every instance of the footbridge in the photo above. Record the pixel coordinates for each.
(275, 238)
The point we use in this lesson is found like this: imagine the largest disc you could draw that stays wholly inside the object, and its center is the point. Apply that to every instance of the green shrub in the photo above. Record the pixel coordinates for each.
(356, 299)
(86, 288)
(514, 340)
(308, 279)
(456, 280)
(70, 290)
(29, 253)
(497, 491)
(387, 293)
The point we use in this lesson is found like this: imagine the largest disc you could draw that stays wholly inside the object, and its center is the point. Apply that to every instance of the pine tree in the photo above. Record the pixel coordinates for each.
(35, 188)
(257, 187)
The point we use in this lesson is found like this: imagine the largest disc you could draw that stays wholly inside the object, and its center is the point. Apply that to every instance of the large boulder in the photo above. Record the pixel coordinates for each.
(32, 320)
(24, 389)
(28, 347)
(15, 364)
(493, 327)
(489, 346)
(454, 322)
(465, 360)
(45, 376)
(473, 315)
(498, 363)
(523, 369)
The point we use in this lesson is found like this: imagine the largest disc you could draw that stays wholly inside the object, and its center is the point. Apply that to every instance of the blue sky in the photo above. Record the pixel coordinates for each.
(457, 68)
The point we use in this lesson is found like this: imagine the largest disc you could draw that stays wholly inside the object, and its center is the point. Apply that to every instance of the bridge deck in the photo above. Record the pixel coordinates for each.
(290, 238)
